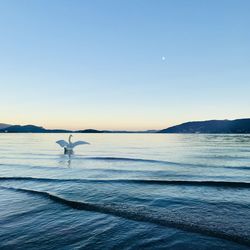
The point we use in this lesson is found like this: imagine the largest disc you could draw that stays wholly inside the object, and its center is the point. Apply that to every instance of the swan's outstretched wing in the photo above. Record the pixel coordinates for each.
(62, 143)
(78, 143)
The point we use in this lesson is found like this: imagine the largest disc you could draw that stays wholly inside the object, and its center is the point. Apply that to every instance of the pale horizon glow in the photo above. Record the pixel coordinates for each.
(123, 65)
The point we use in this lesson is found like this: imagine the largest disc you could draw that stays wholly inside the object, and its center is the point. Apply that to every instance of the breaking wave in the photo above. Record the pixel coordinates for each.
(144, 214)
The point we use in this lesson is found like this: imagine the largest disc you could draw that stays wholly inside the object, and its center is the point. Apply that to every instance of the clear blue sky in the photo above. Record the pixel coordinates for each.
(98, 64)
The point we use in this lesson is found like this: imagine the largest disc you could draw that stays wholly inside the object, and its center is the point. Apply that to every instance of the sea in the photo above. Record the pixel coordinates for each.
(125, 191)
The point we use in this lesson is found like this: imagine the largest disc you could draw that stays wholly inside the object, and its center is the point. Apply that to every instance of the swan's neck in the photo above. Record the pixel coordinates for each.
(70, 139)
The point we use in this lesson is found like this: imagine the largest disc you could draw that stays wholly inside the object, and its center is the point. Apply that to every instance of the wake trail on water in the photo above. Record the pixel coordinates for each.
(144, 214)
(223, 184)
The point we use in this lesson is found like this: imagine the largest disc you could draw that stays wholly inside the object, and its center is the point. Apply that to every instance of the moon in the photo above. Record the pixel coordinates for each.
(163, 58)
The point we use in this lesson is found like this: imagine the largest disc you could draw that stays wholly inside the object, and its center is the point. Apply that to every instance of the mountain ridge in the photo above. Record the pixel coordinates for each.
(38, 129)
(238, 126)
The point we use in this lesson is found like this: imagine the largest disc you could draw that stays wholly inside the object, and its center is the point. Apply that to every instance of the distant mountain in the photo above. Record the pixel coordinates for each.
(24, 129)
(3, 125)
(37, 129)
(239, 126)
(30, 129)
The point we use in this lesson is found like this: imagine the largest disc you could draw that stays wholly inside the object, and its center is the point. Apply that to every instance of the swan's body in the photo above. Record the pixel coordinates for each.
(69, 146)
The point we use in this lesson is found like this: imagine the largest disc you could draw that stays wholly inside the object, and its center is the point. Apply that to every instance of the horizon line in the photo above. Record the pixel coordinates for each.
(118, 130)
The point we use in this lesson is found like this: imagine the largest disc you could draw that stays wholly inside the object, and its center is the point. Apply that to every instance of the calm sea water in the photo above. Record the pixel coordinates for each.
(125, 191)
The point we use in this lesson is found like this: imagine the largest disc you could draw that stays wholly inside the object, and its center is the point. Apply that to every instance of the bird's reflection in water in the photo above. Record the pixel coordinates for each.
(66, 159)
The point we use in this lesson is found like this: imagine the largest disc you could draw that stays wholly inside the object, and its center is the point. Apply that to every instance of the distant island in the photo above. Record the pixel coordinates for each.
(37, 129)
(4, 128)
(239, 126)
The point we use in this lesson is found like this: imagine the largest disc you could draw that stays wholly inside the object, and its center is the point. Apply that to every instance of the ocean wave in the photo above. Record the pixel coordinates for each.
(110, 158)
(223, 184)
(181, 164)
(144, 214)
(142, 160)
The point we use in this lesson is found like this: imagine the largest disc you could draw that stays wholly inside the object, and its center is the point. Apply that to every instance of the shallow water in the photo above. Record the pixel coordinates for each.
(125, 191)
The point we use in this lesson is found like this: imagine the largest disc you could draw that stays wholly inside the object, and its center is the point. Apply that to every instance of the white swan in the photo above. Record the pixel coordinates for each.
(69, 146)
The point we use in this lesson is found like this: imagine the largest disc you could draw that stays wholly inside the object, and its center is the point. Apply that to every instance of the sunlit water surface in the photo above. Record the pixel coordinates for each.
(125, 191)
